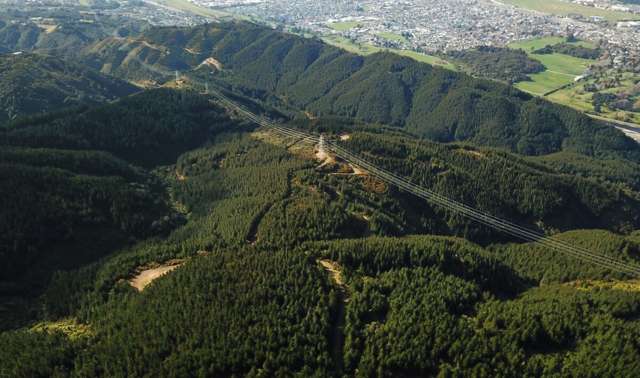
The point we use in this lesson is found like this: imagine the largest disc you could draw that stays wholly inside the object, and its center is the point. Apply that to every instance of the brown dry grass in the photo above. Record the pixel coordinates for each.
(334, 271)
(630, 285)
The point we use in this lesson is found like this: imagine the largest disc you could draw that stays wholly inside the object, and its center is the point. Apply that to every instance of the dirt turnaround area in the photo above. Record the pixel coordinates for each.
(146, 275)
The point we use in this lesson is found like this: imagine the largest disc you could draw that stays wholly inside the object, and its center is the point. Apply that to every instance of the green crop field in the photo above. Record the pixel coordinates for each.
(343, 26)
(563, 8)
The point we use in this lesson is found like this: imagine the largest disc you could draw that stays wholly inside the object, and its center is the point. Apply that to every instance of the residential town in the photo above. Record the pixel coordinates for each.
(440, 25)
(430, 26)
(151, 11)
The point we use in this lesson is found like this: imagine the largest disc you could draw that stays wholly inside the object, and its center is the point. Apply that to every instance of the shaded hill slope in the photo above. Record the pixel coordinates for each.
(34, 84)
(72, 185)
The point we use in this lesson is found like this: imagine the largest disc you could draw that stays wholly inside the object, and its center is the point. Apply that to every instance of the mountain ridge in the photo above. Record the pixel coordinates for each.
(381, 88)
(35, 84)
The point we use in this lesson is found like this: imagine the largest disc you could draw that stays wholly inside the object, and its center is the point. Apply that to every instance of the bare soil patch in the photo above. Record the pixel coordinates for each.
(148, 273)
(211, 62)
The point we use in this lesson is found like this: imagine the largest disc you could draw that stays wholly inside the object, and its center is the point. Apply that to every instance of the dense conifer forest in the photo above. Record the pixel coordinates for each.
(290, 71)
(279, 262)
(32, 84)
(503, 64)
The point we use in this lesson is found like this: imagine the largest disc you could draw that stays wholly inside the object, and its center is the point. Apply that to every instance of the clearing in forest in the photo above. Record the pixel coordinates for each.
(146, 275)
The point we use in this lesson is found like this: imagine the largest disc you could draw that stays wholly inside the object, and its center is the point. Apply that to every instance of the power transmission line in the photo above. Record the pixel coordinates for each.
(437, 199)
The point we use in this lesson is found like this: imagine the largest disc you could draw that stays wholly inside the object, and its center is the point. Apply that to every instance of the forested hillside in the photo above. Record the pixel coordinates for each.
(149, 129)
(162, 234)
(35, 84)
(254, 296)
(60, 32)
(382, 88)
(504, 184)
(72, 187)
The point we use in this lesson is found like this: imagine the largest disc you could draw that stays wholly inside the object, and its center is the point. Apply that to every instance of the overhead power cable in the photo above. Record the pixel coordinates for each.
(440, 200)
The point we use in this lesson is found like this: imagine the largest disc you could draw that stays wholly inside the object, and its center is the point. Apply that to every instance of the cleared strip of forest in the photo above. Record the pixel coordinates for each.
(337, 328)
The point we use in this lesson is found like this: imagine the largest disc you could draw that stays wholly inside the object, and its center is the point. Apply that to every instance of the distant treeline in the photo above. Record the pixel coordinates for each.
(498, 63)
(572, 50)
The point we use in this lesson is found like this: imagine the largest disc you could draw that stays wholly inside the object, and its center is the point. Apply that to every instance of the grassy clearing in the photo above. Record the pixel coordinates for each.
(347, 45)
(544, 82)
(564, 64)
(561, 69)
(576, 97)
(587, 44)
(366, 49)
(392, 37)
(343, 26)
(573, 98)
(187, 6)
(530, 45)
(424, 58)
(68, 326)
(563, 8)
(536, 43)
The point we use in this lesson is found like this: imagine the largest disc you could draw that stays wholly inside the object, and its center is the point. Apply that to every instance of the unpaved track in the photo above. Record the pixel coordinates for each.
(337, 328)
